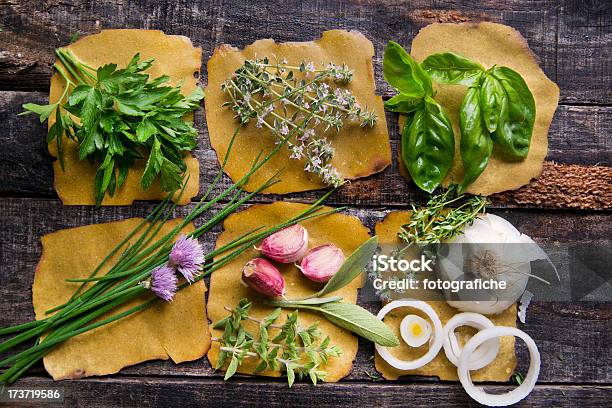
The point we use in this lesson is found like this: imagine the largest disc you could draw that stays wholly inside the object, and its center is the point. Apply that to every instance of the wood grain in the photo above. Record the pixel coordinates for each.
(579, 135)
(580, 350)
(569, 36)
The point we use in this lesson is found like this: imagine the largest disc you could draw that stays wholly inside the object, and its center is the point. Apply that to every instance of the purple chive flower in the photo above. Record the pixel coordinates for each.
(187, 256)
(163, 282)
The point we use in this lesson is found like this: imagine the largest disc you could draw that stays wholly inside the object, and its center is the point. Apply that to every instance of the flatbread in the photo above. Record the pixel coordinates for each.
(359, 152)
(174, 56)
(491, 44)
(175, 330)
(499, 370)
(345, 231)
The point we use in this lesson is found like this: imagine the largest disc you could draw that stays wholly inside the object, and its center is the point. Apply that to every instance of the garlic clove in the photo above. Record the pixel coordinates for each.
(263, 277)
(287, 245)
(322, 262)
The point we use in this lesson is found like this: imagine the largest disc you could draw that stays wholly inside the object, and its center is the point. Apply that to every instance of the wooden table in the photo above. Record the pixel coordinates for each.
(572, 40)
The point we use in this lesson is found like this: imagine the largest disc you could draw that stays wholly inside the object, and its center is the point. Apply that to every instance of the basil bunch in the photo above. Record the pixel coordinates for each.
(428, 142)
(498, 108)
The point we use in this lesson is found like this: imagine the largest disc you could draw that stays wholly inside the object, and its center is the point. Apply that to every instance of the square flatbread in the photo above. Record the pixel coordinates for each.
(176, 330)
(499, 370)
(344, 231)
(359, 152)
(174, 56)
(490, 44)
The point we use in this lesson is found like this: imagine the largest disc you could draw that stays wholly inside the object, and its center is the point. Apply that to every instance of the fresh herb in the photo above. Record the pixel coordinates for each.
(498, 109)
(518, 378)
(141, 253)
(282, 97)
(428, 142)
(298, 350)
(437, 221)
(118, 116)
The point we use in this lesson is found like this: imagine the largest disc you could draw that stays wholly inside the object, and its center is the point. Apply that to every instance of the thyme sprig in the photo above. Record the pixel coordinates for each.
(282, 97)
(437, 221)
(295, 349)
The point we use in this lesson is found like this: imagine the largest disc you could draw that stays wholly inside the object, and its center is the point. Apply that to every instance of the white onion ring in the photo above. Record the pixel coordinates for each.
(434, 346)
(484, 354)
(509, 398)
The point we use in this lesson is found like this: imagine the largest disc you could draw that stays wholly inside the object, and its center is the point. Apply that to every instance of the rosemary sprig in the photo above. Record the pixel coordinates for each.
(437, 221)
(295, 349)
(282, 97)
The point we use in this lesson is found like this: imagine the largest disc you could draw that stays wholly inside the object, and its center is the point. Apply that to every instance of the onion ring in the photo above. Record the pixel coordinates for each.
(509, 398)
(434, 346)
(484, 354)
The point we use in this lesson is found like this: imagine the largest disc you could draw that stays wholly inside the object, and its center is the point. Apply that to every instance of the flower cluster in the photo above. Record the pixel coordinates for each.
(186, 258)
(298, 104)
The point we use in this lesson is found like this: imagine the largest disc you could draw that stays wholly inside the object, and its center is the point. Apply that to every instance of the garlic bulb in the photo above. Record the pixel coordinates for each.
(492, 254)
(322, 262)
(287, 245)
(262, 276)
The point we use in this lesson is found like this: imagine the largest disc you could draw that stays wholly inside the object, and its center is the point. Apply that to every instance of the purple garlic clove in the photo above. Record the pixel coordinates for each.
(322, 262)
(263, 277)
(287, 245)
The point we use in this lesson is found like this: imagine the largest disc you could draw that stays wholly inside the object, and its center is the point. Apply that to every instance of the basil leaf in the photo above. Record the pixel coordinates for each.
(513, 133)
(404, 103)
(351, 268)
(492, 98)
(359, 321)
(450, 68)
(403, 73)
(428, 145)
(476, 144)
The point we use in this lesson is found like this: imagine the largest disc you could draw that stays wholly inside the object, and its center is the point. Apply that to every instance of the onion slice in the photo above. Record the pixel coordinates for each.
(434, 346)
(509, 398)
(484, 354)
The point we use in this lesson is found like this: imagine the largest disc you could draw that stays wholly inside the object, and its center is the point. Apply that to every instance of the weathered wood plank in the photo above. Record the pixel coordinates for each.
(578, 135)
(579, 350)
(164, 392)
(32, 29)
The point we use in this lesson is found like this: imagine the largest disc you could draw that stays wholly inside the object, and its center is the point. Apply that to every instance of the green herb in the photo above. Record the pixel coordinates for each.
(118, 116)
(123, 282)
(498, 108)
(281, 97)
(518, 378)
(437, 221)
(428, 142)
(296, 349)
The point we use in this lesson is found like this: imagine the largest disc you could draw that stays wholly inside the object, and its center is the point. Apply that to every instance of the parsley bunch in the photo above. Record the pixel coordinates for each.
(296, 349)
(119, 115)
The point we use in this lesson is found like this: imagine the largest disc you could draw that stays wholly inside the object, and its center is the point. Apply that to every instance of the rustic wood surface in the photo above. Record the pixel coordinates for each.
(573, 42)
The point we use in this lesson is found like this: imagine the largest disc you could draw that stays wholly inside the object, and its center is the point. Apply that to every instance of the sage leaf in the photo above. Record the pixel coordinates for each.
(450, 68)
(351, 268)
(492, 97)
(403, 73)
(513, 133)
(359, 321)
(476, 144)
(404, 103)
(231, 369)
(428, 145)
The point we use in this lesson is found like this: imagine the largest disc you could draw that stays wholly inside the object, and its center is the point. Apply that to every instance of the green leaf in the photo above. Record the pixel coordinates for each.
(92, 103)
(428, 145)
(403, 73)
(171, 177)
(154, 164)
(359, 321)
(492, 99)
(231, 369)
(404, 103)
(450, 68)
(352, 267)
(290, 374)
(43, 111)
(476, 143)
(79, 94)
(513, 133)
(105, 71)
(145, 130)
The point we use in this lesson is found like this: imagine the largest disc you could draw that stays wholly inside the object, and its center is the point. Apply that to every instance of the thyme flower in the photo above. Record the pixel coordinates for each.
(164, 282)
(187, 256)
(301, 99)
